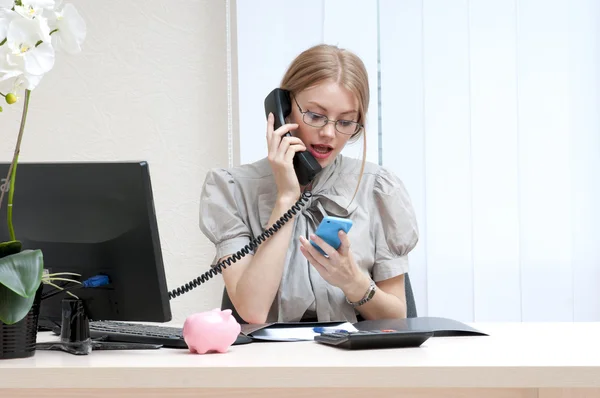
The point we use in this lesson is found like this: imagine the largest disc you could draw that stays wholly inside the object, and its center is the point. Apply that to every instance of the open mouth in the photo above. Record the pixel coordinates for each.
(320, 151)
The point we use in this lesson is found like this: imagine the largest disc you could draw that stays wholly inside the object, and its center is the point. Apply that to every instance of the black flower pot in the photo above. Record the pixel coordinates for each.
(18, 340)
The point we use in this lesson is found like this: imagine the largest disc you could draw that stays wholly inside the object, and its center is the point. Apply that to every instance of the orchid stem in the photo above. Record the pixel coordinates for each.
(2, 42)
(12, 170)
(4, 95)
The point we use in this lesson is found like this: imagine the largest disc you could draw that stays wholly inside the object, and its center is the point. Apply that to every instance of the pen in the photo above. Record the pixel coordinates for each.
(327, 330)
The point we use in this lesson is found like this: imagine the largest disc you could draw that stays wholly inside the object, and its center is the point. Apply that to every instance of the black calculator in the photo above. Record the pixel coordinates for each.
(370, 339)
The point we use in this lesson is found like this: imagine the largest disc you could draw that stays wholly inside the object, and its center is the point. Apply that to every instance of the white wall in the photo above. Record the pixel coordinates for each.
(489, 113)
(150, 84)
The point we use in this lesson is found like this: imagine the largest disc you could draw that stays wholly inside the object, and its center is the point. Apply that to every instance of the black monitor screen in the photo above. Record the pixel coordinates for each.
(93, 218)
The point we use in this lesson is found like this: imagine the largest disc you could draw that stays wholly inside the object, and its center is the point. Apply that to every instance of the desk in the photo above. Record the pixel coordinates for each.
(516, 360)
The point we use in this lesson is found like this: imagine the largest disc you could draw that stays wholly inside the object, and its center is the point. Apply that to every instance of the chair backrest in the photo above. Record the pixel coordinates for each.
(226, 304)
(411, 308)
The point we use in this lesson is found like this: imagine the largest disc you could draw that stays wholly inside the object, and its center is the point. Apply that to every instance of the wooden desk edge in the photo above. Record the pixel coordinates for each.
(300, 377)
(304, 392)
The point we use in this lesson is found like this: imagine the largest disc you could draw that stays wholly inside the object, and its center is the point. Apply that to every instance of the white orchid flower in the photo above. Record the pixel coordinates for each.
(24, 81)
(7, 4)
(33, 8)
(7, 70)
(24, 56)
(15, 87)
(6, 16)
(28, 81)
(70, 30)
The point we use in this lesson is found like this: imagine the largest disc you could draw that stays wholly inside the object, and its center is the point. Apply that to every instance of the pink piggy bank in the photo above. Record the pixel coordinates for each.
(208, 331)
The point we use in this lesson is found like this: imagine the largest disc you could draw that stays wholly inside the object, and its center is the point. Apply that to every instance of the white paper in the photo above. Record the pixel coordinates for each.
(298, 333)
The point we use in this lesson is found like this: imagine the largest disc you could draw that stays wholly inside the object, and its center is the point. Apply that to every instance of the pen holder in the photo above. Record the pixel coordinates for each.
(74, 332)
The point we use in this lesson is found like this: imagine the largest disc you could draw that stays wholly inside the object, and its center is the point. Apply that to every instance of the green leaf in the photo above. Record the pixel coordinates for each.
(8, 248)
(22, 272)
(13, 307)
(20, 278)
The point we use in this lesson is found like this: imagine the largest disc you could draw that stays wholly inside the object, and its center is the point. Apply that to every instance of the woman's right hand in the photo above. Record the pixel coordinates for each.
(281, 151)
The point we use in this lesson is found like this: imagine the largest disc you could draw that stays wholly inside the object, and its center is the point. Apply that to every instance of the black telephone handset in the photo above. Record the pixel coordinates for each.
(306, 166)
(279, 103)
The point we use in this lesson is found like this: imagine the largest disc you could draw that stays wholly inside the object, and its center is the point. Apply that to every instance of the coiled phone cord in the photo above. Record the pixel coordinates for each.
(217, 269)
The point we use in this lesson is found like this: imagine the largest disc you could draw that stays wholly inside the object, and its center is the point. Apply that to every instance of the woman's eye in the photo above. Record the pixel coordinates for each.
(315, 116)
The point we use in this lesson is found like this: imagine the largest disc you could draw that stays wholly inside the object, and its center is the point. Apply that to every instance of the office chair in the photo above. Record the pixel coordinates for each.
(411, 308)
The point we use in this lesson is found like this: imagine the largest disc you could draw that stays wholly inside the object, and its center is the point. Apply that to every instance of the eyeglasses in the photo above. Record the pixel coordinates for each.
(346, 127)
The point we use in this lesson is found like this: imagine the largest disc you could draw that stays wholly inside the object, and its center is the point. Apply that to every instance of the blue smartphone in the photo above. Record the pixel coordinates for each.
(328, 231)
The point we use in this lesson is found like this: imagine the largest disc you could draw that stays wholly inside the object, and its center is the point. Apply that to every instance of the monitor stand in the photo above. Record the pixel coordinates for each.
(75, 334)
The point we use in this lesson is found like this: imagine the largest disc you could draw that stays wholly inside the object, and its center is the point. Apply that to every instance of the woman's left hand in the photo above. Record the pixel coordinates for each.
(339, 268)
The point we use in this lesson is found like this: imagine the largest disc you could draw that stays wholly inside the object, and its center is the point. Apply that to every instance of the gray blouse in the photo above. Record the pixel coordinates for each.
(236, 205)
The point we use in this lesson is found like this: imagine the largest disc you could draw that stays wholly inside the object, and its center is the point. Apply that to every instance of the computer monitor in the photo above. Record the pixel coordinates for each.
(93, 218)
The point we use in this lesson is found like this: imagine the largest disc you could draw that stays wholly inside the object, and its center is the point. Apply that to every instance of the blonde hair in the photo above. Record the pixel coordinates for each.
(327, 62)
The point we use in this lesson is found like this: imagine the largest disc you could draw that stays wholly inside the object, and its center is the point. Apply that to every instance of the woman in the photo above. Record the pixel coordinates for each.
(287, 279)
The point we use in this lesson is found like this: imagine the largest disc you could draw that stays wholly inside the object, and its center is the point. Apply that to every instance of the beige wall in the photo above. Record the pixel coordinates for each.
(150, 84)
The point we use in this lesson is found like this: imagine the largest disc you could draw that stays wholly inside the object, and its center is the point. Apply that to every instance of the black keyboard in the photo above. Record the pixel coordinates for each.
(167, 336)
(368, 339)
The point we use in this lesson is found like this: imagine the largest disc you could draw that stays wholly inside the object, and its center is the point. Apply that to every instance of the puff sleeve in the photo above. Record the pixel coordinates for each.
(395, 231)
(221, 215)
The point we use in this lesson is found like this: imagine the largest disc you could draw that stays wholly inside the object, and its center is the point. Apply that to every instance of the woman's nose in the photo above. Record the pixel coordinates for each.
(328, 130)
